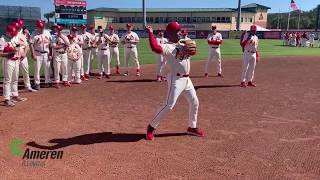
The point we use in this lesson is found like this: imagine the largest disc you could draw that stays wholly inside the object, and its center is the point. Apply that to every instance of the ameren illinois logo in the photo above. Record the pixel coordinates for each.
(30, 157)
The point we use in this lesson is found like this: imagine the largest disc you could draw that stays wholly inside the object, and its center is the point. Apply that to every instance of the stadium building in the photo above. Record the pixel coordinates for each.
(9, 14)
(192, 19)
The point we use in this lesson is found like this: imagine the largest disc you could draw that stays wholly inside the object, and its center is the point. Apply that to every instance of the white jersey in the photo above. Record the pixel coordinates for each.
(128, 38)
(312, 37)
(252, 44)
(87, 39)
(177, 66)
(74, 52)
(62, 40)
(114, 38)
(41, 41)
(104, 44)
(21, 40)
(161, 40)
(212, 37)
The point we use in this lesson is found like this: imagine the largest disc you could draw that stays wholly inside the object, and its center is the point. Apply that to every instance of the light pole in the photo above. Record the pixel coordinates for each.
(144, 14)
(239, 16)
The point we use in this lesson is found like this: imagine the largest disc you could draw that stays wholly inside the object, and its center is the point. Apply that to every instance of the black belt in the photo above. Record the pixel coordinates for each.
(130, 47)
(215, 47)
(103, 49)
(185, 75)
(113, 46)
(60, 52)
(42, 52)
(251, 52)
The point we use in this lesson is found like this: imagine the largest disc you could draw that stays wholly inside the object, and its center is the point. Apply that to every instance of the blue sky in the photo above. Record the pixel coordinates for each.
(276, 5)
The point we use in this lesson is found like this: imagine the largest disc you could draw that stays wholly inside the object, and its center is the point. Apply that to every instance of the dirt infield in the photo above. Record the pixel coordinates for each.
(268, 132)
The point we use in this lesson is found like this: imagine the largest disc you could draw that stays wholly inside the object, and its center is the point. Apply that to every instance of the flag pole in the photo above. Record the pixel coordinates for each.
(288, 19)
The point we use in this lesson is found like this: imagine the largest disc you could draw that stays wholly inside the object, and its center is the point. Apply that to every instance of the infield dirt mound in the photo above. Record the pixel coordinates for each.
(268, 132)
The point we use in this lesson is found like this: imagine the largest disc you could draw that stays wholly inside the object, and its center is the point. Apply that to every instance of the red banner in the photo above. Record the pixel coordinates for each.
(70, 3)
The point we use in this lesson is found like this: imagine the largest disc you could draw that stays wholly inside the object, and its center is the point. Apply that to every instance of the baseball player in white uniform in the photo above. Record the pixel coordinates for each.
(86, 49)
(78, 39)
(60, 57)
(161, 62)
(113, 45)
(11, 60)
(250, 57)
(103, 53)
(74, 53)
(130, 40)
(311, 39)
(23, 37)
(41, 53)
(178, 80)
(94, 48)
(214, 41)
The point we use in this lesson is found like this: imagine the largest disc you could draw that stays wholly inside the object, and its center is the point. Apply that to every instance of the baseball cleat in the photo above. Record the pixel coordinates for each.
(66, 83)
(31, 90)
(36, 87)
(252, 84)
(18, 99)
(195, 132)
(9, 103)
(83, 78)
(150, 133)
(99, 77)
(126, 74)
(243, 84)
(87, 76)
(90, 74)
(47, 85)
(108, 76)
(117, 71)
(206, 75)
(159, 78)
(220, 75)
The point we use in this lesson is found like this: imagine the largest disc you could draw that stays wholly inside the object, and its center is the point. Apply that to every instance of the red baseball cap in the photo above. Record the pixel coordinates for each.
(20, 22)
(173, 27)
(83, 26)
(91, 27)
(74, 28)
(71, 36)
(253, 28)
(40, 24)
(12, 30)
(111, 27)
(184, 32)
(59, 28)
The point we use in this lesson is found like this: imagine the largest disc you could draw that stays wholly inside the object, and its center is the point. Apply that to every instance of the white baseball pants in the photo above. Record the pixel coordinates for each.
(248, 66)
(216, 54)
(24, 68)
(177, 86)
(161, 63)
(74, 67)
(11, 76)
(42, 60)
(131, 53)
(104, 62)
(94, 56)
(61, 66)
(114, 53)
(86, 60)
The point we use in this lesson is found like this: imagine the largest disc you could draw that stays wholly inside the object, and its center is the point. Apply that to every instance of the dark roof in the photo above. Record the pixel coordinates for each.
(255, 5)
(164, 10)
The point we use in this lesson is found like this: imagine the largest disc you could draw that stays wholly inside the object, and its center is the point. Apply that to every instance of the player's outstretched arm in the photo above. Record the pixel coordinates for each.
(152, 41)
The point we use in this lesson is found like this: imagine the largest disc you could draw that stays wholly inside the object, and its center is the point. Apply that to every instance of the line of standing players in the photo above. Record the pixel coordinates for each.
(66, 58)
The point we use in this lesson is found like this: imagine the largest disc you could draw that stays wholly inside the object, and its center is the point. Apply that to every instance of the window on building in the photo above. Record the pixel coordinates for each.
(228, 20)
(161, 19)
(251, 20)
(121, 20)
(213, 19)
(188, 19)
(242, 19)
(207, 19)
(218, 19)
(203, 19)
(194, 19)
(156, 20)
(223, 19)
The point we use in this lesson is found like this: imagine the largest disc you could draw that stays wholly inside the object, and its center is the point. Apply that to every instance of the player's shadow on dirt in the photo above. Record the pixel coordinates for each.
(214, 86)
(133, 81)
(95, 138)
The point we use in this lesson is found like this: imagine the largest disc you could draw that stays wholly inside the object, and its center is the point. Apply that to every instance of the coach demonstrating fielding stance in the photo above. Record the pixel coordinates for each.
(177, 53)
(250, 57)
(214, 41)
(130, 41)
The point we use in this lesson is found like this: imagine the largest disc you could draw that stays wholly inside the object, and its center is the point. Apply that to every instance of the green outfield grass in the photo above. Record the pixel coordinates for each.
(229, 50)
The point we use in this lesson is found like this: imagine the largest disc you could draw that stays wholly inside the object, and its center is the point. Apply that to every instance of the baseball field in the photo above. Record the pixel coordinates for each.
(96, 130)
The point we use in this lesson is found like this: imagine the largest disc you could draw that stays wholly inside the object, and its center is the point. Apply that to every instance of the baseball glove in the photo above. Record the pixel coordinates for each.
(186, 49)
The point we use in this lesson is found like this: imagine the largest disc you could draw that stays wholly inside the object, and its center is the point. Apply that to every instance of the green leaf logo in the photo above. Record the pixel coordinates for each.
(15, 147)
